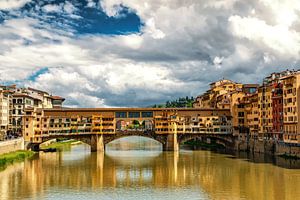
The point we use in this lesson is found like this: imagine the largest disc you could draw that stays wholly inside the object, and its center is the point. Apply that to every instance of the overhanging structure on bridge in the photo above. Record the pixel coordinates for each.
(99, 126)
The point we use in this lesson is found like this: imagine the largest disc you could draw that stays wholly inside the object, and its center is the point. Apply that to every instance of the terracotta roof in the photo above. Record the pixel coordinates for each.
(36, 90)
(250, 85)
(57, 98)
(291, 75)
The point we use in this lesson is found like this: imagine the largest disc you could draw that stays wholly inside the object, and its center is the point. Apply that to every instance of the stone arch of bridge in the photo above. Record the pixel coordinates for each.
(82, 138)
(111, 140)
(146, 134)
(225, 140)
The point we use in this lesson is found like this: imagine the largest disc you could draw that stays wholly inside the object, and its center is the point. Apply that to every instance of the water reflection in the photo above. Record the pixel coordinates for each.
(79, 174)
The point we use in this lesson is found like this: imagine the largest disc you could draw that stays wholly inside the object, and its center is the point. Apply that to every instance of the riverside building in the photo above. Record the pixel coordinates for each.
(269, 111)
(15, 102)
(291, 104)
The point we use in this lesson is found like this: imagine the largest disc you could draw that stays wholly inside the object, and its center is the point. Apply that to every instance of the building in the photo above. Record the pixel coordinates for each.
(41, 123)
(5, 98)
(269, 111)
(219, 95)
(291, 104)
(15, 102)
(265, 110)
(20, 103)
(277, 110)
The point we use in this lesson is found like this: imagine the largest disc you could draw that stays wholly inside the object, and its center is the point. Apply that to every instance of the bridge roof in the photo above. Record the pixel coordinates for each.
(132, 109)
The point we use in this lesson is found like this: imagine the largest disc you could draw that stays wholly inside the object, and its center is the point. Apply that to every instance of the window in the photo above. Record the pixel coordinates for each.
(134, 114)
(241, 114)
(121, 115)
(241, 121)
(147, 114)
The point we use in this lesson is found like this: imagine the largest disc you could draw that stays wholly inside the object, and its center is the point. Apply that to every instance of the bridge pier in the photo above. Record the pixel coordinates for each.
(171, 143)
(97, 143)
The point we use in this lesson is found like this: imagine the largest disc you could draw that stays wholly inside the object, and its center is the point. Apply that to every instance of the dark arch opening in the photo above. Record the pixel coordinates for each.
(210, 142)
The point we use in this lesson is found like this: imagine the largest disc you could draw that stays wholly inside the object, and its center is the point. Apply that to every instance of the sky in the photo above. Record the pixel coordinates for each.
(133, 53)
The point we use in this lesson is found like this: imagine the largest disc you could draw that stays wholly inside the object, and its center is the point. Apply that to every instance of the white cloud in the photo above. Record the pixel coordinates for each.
(53, 8)
(12, 4)
(91, 4)
(278, 37)
(182, 46)
(69, 8)
(153, 31)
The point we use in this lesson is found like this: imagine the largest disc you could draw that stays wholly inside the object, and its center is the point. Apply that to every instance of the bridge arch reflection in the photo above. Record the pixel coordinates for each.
(134, 143)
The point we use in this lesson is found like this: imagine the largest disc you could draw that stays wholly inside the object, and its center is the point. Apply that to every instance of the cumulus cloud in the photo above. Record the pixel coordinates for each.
(12, 4)
(53, 8)
(182, 46)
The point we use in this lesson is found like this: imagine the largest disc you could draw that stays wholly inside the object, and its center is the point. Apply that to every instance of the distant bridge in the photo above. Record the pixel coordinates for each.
(100, 126)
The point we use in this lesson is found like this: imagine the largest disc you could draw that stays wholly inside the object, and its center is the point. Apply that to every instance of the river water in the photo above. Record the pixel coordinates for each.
(80, 174)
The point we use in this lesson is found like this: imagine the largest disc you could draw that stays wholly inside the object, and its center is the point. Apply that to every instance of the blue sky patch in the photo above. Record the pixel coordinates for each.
(38, 73)
(84, 20)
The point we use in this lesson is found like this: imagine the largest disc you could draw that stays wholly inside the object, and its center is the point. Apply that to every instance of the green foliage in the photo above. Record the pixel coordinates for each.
(17, 156)
(60, 145)
(181, 102)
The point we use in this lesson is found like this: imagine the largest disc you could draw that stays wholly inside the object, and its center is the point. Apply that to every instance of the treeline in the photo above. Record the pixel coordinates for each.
(182, 102)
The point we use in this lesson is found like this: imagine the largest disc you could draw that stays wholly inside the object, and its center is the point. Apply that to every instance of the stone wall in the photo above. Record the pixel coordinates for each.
(287, 149)
(11, 145)
(268, 147)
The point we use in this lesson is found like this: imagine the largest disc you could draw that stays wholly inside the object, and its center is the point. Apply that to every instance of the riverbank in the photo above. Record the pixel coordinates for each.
(270, 147)
(11, 145)
(60, 145)
(16, 156)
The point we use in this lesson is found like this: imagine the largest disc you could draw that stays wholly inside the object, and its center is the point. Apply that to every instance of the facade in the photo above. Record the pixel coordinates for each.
(5, 98)
(44, 123)
(219, 95)
(277, 109)
(270, 111)
(20, 103)
(291, 103)
(266, 111)
(15, 102)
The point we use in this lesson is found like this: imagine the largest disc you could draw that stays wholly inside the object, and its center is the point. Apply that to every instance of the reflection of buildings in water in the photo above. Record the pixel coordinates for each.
(218, 175)
(6, 184)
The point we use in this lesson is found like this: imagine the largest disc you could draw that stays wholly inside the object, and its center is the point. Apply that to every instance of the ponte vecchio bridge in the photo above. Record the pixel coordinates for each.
(99, 126)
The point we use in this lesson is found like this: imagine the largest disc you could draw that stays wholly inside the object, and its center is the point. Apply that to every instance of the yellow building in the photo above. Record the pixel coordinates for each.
(39, 123)
(252, 112)
(219, 95)
(265, 109)
(291, 104)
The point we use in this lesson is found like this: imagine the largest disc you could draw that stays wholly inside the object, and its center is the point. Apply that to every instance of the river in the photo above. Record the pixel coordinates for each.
(201, 174)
